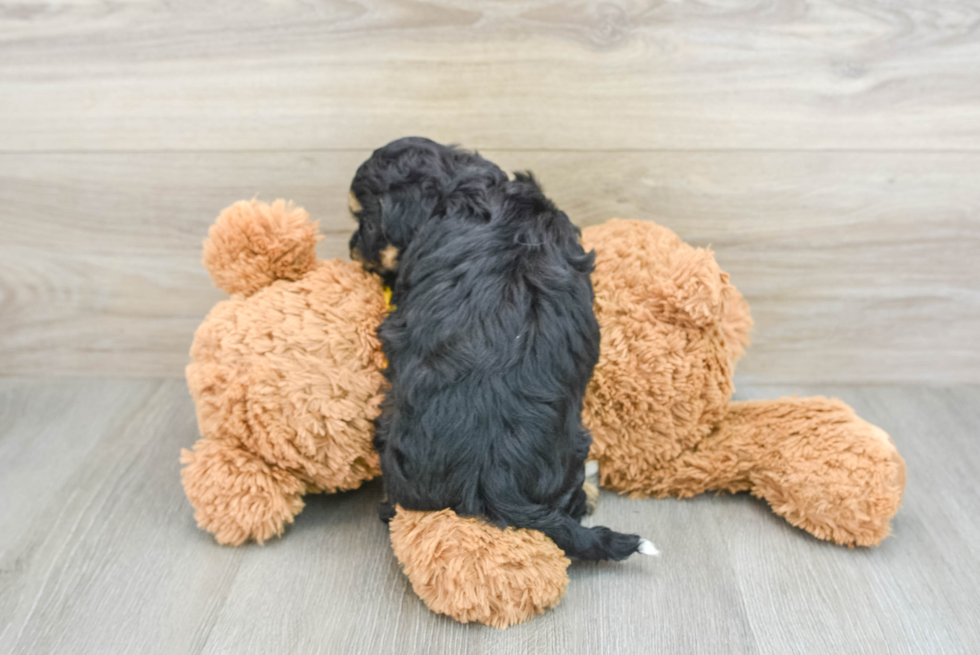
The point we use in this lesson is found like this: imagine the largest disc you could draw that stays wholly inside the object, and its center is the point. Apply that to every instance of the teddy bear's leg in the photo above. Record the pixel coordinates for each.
(473, 571)
(237, 495)
(814, 460)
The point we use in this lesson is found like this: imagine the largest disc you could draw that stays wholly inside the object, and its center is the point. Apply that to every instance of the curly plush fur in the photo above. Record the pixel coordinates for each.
(673, 327)
(443, 554)
(286, 381)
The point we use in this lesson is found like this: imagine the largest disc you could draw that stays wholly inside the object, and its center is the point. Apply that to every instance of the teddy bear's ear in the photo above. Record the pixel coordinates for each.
(253, 244)
(696, 286)
(646, 270)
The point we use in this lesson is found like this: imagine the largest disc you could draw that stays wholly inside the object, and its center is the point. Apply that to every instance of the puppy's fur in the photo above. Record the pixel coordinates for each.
(490, 348)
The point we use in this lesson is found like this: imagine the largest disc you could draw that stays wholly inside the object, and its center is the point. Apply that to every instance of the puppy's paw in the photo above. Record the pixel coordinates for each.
(591, 497)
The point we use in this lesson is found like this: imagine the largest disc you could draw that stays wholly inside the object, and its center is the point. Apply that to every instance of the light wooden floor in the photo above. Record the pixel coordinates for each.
(99, 552)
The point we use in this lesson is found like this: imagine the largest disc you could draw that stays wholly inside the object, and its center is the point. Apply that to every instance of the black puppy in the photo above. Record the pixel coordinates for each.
(490, 348)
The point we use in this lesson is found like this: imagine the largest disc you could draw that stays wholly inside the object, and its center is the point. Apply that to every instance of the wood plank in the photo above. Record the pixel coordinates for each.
(858, 266)
(86, 561)
(525, 74)
(101, 553)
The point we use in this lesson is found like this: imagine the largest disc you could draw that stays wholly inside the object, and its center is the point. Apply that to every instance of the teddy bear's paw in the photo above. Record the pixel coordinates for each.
(236, 495)
(472, 571)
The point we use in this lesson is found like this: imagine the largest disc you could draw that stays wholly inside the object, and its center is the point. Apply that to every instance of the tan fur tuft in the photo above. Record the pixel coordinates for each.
(352, 203)
(389, 258)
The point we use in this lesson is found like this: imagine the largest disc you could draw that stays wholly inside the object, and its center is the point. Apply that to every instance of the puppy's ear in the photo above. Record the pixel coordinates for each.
(403, 210)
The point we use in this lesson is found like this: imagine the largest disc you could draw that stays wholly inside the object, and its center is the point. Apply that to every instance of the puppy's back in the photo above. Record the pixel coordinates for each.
(490, 351)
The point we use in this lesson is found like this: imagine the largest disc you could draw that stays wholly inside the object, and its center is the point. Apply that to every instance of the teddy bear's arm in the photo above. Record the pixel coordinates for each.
(238, 496)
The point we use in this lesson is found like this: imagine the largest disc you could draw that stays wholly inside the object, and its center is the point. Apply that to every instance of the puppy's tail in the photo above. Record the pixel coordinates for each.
(592, 544)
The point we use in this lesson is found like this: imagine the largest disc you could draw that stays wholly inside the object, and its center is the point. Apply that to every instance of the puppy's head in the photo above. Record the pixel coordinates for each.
(407, 183)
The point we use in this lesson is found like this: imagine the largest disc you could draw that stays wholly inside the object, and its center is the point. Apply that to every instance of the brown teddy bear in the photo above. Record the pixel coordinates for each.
(286, 379)
(286, 375)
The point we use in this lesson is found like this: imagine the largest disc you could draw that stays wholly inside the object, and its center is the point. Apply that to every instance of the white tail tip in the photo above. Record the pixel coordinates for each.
(647, 548)
(591, 468)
